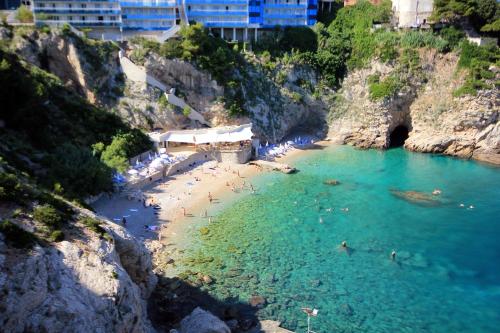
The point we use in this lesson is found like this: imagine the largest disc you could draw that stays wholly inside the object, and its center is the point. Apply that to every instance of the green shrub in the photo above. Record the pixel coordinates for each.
(16, 236)
(383, 89)
(186, 111)
(477, 60)
(452, 35)
(24, 14)
(48, 216)
(17, 213)
(296, 97)
(57, 236)
(95, 226)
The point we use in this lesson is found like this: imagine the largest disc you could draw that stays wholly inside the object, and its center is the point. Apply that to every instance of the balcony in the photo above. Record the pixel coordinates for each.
(148, 4)
(145, 28)
(86, 23)
(148, 17)
(216, 2)
(201, 13)
(285, 6)
(77, 11)
(222, 24)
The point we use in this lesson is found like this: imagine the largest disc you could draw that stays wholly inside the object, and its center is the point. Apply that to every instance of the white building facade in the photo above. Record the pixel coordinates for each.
(412, 13)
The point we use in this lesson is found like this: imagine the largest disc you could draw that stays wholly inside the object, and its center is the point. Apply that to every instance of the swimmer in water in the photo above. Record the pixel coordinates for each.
(462, 205)
(436, 192)
(471, 207)
(321, 219)
(344, 209)
(393, 255)
(344, 245)
(328, 209)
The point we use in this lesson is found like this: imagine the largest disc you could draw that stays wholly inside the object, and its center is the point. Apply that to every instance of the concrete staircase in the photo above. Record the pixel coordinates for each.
(182, 12)
(169, 33)
(139, 74)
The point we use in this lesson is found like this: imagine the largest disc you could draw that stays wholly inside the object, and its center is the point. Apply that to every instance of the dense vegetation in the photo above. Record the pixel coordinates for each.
(484, 15)
(223, 62)
(49, 131)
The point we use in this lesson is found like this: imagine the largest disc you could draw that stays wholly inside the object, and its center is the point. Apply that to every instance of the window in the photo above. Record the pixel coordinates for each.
(100, 18)
(53, 5)
(83, 18)
(42, 5)
(189, 7)
(112, 18)
(84, 5)
(70, 18)
(227, 7)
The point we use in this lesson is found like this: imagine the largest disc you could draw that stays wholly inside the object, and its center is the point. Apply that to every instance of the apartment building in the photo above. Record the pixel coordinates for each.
(231, 19)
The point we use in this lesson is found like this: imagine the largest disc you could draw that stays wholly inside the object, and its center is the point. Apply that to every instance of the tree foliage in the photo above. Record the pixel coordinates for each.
(24, 14)
(49, 125)
(483, 14)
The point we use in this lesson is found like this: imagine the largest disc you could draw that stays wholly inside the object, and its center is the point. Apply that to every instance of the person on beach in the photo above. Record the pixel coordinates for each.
(210, 199)
(124, 221)
(183, 211)
(206, 214)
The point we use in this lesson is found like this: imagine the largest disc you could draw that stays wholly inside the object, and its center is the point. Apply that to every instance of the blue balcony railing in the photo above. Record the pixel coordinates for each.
(201, 13)
(75, 11)
(132, 4)
(217, 2)
(78, 1)
(285, 6)
(143, 28)
(285, 16)
(148, 17)
(95, 24)
(222, 24)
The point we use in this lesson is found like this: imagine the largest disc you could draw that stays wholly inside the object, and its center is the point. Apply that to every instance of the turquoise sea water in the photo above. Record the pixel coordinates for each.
(283, 244)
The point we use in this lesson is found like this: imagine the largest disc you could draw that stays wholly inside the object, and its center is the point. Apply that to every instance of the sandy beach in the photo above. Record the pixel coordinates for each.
(183, 198)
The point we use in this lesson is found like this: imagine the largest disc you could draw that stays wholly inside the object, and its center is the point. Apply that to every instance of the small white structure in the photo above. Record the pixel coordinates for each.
(204, 135)
(228, 143)
(412, 13)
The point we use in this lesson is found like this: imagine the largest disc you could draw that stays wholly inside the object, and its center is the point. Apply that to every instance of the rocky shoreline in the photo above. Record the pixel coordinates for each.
(437, 122)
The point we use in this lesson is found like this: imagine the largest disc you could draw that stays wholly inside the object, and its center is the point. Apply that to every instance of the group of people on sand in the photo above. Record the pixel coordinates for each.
(344, 247)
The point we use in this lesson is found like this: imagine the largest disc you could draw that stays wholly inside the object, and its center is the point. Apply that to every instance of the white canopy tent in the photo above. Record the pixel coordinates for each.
(206, 135)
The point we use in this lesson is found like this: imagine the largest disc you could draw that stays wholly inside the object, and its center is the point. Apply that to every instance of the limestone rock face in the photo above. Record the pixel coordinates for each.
(71, 60)
(201, 321)
(78, 285)
(438, 122)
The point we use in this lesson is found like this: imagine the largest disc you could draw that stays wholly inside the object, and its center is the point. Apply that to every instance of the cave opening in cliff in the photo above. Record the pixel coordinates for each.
(398, 136)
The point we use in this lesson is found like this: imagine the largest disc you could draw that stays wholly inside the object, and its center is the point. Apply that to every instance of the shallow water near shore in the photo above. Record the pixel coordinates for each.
(283, 244)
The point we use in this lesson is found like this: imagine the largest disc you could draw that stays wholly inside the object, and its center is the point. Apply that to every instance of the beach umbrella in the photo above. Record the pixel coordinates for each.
(156, 164)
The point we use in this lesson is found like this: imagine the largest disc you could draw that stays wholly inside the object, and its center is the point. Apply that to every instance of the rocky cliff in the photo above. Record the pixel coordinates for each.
(437, 122)
(278, 101)
(85, 283)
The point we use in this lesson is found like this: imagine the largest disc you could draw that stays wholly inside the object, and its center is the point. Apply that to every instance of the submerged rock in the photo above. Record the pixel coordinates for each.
(201, 321)
(257, 301)
(331, 182)
(416, 197)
